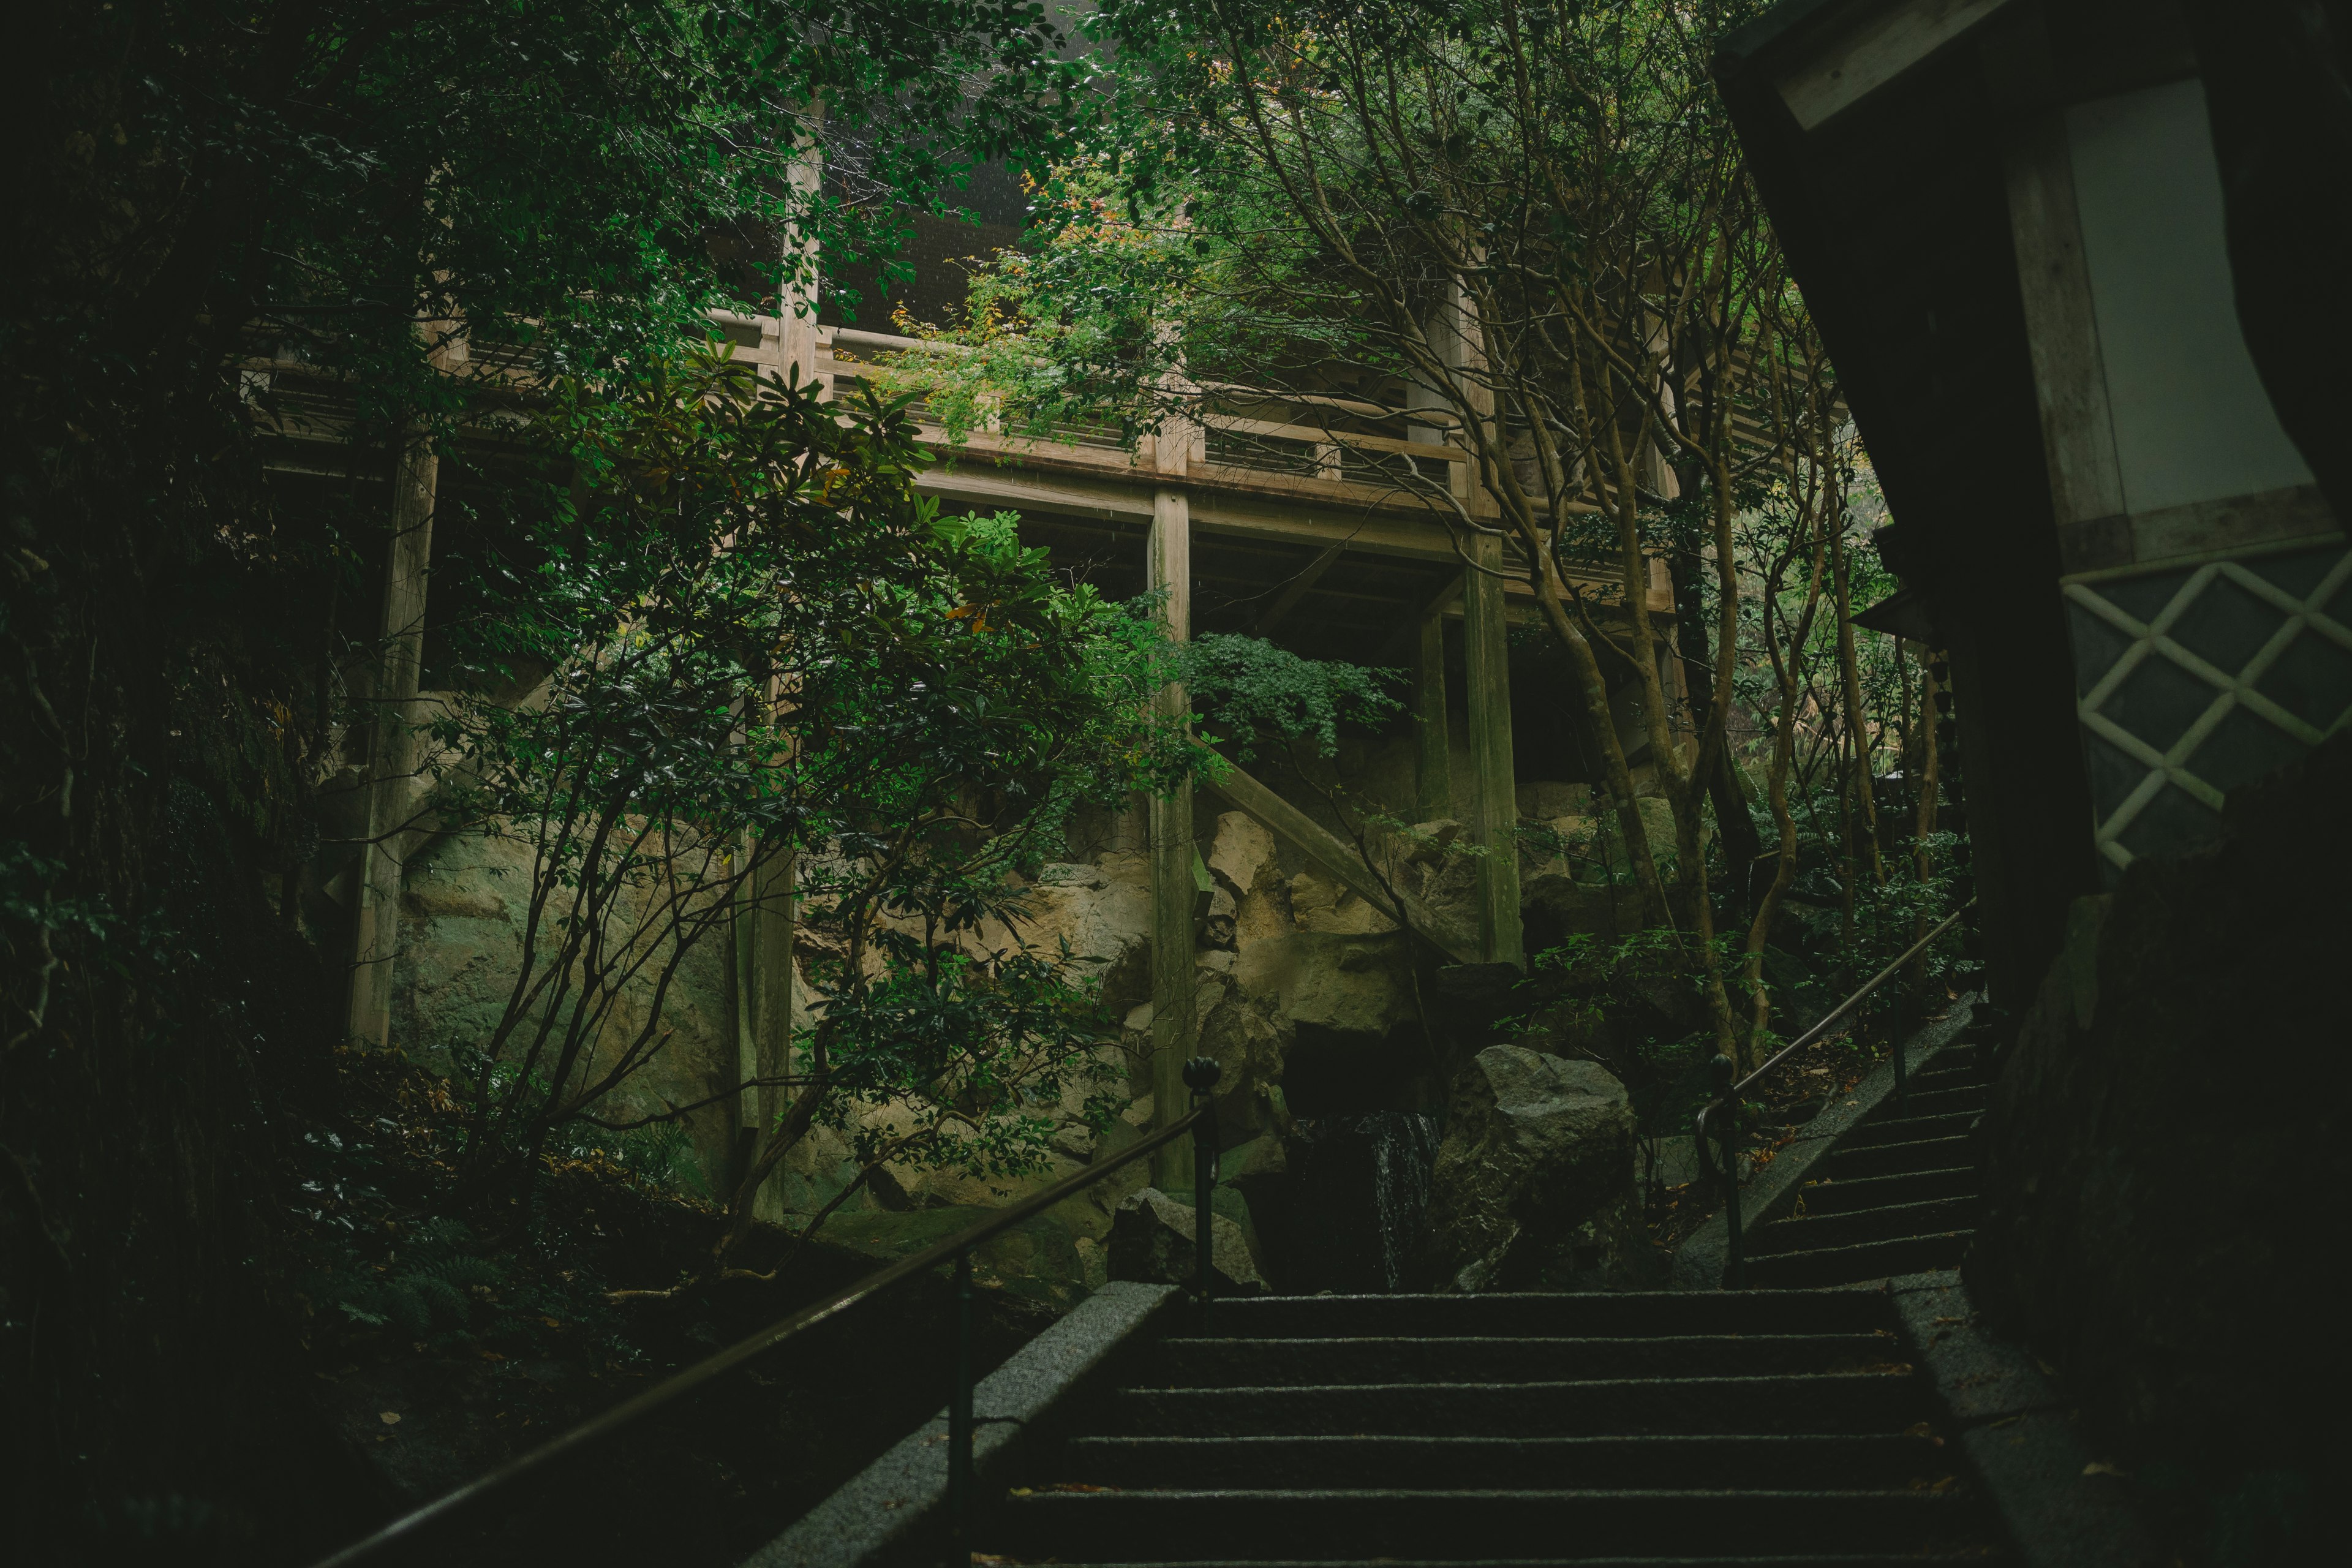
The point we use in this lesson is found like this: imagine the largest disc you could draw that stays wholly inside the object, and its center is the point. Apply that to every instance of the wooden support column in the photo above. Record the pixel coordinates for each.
(1493, 810)
(1432, 760)
(1170, 569)
(392, 752)
(797, 308)
(764, 912)
(763, 1005)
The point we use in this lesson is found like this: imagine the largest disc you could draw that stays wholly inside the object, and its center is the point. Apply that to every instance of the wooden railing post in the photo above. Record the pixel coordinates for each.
(1169, 571)
(1495, 809)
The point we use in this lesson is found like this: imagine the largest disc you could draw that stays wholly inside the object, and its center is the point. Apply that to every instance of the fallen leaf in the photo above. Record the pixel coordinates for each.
(389, 1417)
(2103, 1467)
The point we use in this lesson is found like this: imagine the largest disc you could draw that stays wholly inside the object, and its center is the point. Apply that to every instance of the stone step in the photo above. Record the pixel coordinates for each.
(1874, 1132)
(1961, 1055)
(1564, 1315)
(1900, 1159)
(1883, 1401)
(1969, 1098)
(1863, 1261)
(1808, 1231)
(1271, 1363)
(1843, 1194)
(1319, 1525)
(1797, 1460)
(1977, 1557)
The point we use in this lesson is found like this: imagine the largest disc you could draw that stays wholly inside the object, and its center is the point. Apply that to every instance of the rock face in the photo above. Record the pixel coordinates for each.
(1151, 1239)
(2166, 1158)
(1305, 993)
(1534, 1146)
(463, 904)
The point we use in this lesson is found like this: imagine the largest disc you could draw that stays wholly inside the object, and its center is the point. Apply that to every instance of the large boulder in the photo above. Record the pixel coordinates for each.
(1151, 1240)
(1535, 1147)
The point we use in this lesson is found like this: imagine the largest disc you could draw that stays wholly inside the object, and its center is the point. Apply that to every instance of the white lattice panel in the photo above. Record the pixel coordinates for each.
(2234, 669)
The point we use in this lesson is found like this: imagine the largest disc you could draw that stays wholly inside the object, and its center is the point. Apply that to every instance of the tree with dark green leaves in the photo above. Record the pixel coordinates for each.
(565, 186)
(747, 640)
(1521, 228)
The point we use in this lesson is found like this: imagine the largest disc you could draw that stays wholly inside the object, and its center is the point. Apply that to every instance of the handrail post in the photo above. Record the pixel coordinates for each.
(1727, 1088)
(1201, 1075)
(959, 1418)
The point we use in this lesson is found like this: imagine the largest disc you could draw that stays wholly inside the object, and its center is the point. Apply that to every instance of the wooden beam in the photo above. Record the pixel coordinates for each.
(1169, 568)
(1875, 51)
(1339, 859)
(1400, 534)
(764, 1004)
(2070, 376)
(1297, 589)
(391, 752)
(1494, 810)
(1433, 755)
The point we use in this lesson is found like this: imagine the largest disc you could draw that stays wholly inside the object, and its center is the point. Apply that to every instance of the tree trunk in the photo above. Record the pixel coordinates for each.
(1742, 846)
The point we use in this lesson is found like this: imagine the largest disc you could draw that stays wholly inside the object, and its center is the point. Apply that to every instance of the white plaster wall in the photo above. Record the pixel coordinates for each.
(2191, 420)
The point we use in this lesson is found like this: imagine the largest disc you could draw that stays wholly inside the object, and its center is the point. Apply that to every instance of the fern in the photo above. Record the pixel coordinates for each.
(428, 1293)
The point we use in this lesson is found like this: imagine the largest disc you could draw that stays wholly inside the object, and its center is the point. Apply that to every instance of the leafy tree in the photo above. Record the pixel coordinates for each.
(1523, 228)
(565, 185)
(760, 643)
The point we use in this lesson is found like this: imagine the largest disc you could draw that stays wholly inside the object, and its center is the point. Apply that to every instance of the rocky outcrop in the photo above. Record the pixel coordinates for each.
(1305, 993)
(1535, 1146)
(464, 902)
(1151, 1240)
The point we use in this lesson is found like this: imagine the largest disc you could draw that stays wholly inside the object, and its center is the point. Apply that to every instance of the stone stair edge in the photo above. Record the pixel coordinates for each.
(1809, 1560)
(1698, 1263)
(1260, 1390)
(2030, 1464)
(1293, 1341)
(1161, 1496)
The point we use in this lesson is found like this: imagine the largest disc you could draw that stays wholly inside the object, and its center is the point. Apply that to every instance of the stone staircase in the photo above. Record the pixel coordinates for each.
(1898, 1195)
(1780, 1427)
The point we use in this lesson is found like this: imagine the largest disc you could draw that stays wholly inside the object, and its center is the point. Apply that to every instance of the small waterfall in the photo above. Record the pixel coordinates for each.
(1404, 1149)
(1359, 1190)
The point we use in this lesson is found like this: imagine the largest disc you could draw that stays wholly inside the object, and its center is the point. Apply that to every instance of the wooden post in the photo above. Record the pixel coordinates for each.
(798, 306)
(1494, 810)
(391, 751)
(1432, 750)
(765, 1002)
(765, 913)
(1170, 568)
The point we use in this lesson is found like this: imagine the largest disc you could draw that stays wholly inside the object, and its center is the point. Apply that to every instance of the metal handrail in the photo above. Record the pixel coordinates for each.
(1728, 1094)
(1200, 1074)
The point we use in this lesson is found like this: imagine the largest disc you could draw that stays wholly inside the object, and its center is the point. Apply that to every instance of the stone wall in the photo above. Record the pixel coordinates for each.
(1308, 996)
(464, 901)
